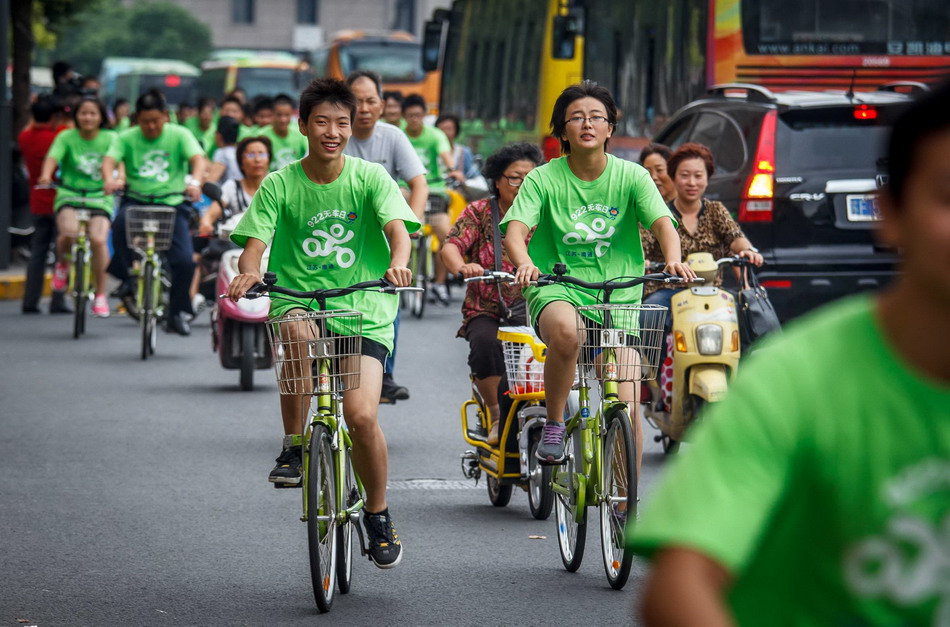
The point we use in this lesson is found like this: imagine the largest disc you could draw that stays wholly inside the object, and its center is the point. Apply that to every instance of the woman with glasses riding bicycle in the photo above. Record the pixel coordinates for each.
(469, 251)
(78, 153)
(585, 208)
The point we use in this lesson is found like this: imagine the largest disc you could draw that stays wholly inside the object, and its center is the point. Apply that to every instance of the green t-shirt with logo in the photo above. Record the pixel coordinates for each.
(431, 143)
(287, 149)
(80, 167)
(590, 226)
(156, 166)
(326, 236)
(822, 482)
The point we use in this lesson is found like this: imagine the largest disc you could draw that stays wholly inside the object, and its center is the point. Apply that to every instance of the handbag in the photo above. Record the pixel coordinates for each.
(516, 316)
(757, 316)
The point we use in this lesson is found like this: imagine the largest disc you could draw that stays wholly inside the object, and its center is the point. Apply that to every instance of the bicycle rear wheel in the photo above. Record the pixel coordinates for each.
(540, 495)
(417, 304)
(619, 506)
(498, 493)
(79, 294)
(146, 312)
(571, 510)
(321, 518)
(344, 565)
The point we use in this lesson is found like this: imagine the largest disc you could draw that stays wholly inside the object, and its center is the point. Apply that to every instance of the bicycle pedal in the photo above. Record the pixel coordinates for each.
(283, 486)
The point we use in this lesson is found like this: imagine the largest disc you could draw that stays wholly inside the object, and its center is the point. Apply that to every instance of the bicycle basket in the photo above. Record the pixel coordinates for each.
(141, 220)
(524, 355)
(633, 332)
(300, 340)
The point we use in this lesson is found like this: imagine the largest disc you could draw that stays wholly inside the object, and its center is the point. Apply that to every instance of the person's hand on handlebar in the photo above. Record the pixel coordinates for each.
(241, 284)
(753, 256)
(680, 269)
(111, 186)
(526, 273)
(400, 276)
(469, 270)
(205, 228)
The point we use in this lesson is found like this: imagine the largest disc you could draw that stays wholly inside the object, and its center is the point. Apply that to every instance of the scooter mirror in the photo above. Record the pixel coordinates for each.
(212, 191)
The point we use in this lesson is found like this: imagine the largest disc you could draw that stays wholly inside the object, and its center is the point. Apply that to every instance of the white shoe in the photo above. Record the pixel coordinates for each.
(198, 303)
(441, 293)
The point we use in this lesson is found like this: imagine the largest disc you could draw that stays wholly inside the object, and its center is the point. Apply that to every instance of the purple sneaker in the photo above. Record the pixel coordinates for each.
(551, 449)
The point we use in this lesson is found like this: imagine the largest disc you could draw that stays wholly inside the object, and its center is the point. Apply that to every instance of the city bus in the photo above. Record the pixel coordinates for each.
(503, 61)
(257, 73)
(395, 55)
(127, 77)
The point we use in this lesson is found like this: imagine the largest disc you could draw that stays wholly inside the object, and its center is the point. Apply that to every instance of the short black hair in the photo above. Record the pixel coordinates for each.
(921, 121)
(395, 94)
(43, 109)
(656, 149)
(329, 90)
(414, 100)
(206, 102)
(152, 100)
(247, 141)
(60, 69)
(586, 89)
(283, 99)
(103, 122)
(373, 76)
(234, 100)
(499, 161)
(262, 103)
(228, 127)
(454, 119)
(119, 102)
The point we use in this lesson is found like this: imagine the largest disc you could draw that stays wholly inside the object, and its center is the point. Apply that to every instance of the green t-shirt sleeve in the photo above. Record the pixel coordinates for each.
(117, 147)
(442, 141)
(718, 497)
(649, 203)
(527, 206)
(190, 145)
(388, 201)
(58, 150)
(260, 219)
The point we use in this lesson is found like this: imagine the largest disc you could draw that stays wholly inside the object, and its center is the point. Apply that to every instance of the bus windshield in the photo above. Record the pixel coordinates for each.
(846, 27)
(268, 81)
(395, 61)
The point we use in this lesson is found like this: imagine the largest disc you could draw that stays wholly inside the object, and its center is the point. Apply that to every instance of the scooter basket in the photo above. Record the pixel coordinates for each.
(300, 340)
(140, 220)
(634, 333)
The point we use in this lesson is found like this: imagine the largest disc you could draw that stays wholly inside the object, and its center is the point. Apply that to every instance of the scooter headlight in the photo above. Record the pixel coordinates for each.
(709, 339)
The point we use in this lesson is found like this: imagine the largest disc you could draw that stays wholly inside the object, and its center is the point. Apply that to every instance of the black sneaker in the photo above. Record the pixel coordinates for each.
(392, 391)
(287, 470)
(384, 547)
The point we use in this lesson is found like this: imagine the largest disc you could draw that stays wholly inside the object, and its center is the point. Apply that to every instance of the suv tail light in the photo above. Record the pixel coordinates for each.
(756, 204)
(551, 148)
(864, 112)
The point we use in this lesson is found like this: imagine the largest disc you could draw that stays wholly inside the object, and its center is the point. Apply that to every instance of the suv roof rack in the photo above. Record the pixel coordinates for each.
(752, 92)
(914, 87)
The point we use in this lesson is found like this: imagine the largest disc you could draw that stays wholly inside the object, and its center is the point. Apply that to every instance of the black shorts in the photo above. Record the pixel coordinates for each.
(372, 348)
(485, 358)
(93, 213)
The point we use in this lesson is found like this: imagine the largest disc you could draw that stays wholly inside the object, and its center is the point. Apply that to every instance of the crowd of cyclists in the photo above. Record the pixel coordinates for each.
(325, 188)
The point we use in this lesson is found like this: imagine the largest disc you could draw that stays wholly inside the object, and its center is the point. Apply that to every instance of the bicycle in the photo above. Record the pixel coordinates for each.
(80, 253)
(148, 230)
(600, 449)
(314, 355)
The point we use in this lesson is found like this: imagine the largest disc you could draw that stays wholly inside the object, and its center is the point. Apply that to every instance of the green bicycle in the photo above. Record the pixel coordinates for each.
(600, 448)
(148, 230)
(317, 355)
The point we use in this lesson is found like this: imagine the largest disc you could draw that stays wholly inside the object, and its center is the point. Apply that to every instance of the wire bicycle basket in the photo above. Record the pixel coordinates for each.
(142, 220)
(633, 332)
(299, 340)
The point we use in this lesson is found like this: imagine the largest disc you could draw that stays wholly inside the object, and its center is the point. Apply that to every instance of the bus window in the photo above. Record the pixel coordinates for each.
(394, 61)
(211, 83)
(268, 81)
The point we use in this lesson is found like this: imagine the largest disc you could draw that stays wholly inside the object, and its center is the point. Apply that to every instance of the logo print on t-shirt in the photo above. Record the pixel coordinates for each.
(597, 233)
(90, 164)
(323, 244)
(155, 166)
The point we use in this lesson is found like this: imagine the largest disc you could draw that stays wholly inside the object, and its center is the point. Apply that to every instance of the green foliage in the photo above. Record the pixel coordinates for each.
(146, 29)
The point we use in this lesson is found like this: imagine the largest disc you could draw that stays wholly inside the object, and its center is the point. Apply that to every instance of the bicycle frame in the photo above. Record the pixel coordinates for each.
(80, 247)
(151, 262)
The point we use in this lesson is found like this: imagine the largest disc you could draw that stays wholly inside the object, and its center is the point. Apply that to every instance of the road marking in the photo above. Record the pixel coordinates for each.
(431, 484)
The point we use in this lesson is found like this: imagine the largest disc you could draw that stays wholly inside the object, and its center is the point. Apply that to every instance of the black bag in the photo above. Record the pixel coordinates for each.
(757, 316)
(516, 316)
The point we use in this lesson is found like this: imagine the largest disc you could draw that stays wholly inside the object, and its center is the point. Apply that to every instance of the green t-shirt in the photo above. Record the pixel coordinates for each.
(80, 167)
(123, 124)
(822, 482)
(430, 143)
(331, 235)
(286, 149)
(157, 166)
(193, 124)
(590, 226)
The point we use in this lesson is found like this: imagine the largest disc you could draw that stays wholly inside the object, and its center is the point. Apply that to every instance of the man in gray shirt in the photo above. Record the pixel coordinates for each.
(388, 146)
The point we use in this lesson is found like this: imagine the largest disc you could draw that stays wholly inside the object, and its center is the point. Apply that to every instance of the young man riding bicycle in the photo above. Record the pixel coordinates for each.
(335, 220)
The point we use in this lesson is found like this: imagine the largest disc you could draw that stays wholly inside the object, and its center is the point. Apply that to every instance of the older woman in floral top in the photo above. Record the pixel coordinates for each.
(469, 251)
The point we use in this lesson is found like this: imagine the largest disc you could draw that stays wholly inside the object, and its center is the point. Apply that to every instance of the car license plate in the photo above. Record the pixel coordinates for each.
(863, 208)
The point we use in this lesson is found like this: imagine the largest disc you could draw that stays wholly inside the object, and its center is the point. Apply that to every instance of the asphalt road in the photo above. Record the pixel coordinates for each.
(136, 493)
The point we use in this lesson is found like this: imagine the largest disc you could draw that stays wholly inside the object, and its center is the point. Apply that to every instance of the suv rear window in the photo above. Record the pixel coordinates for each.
(823, 138)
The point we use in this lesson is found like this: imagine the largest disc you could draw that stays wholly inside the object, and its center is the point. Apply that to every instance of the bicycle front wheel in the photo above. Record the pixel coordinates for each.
(321, 518)
(146, 312)
(571, 509)
(79, 294)
(418, 303)
(618, 509)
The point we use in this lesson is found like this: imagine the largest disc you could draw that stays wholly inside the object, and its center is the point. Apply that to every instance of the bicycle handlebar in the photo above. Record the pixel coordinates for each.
(560, 276)
(269, 285)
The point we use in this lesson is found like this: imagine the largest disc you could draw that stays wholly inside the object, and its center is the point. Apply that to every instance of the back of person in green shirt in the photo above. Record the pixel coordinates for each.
(78, 154)
(288, 143)
(818, 492)
(435, 152)
(335, 220)
(160, 160)
(585, 209)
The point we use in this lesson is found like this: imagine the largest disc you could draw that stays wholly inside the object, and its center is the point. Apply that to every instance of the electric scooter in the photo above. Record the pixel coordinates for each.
(704, 345)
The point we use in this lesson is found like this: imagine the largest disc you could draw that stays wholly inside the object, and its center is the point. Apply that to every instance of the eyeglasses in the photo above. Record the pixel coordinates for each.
(595, 120)
(514, 181)
(256, 155)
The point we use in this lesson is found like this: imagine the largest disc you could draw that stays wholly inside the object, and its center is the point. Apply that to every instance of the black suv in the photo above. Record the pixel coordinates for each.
(799, 171)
